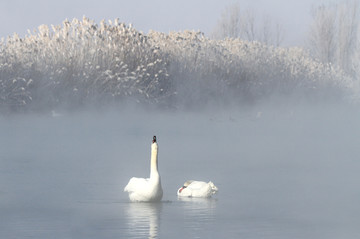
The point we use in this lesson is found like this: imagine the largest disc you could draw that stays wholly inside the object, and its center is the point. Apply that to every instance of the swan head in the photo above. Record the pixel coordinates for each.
(154, 145)
(186, 184)
(180, 189)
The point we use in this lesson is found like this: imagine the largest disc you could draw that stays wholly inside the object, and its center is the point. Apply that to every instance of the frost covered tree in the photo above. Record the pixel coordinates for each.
(235, 23)
(348, 30)
(231, 23)
(334, 32)
(322, 34)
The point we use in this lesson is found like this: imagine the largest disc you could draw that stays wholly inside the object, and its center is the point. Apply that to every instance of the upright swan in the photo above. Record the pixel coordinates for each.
(147, 189)
(193, 188)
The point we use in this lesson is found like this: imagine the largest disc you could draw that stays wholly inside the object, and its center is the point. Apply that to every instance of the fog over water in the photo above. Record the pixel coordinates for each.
(282, 172)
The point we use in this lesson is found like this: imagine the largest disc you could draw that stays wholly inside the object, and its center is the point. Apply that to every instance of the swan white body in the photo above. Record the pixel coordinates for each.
(147, 189)
(193, 188)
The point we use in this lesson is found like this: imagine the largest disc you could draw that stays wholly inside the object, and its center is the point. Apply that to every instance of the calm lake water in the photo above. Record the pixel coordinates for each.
(285, 173)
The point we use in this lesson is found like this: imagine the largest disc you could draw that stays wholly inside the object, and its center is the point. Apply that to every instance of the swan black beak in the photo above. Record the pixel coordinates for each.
(154, 139)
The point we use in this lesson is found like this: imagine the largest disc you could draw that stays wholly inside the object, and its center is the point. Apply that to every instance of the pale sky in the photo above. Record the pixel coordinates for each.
(160, 15)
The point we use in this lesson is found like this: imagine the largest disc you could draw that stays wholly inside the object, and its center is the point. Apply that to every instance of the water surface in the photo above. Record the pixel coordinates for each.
(280, 173)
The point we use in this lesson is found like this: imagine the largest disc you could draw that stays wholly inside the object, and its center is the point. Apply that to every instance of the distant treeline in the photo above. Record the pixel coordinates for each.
(81, 63)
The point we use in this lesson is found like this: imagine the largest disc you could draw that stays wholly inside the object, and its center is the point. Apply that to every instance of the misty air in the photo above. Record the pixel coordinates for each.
(187, 120)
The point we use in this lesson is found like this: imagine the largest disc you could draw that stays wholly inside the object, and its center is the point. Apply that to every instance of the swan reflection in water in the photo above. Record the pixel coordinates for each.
(195, 203)
(143, 219)
(199, 213)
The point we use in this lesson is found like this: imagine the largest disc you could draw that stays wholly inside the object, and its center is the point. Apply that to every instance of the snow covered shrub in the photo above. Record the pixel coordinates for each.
(285, 71)
(231, 70)
(201, 70)
(82, 63)
(14, 93)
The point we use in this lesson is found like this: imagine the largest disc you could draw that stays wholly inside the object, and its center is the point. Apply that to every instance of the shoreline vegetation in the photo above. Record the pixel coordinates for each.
(81, 63)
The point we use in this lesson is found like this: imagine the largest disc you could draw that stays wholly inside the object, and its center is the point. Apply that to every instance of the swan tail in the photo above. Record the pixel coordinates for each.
(214, 189)
(131, 184)
(126, 189)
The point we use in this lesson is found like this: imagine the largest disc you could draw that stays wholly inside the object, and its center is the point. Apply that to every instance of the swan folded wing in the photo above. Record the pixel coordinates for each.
(136, 184)
(197, 185)
(143, 190)
(202, 189)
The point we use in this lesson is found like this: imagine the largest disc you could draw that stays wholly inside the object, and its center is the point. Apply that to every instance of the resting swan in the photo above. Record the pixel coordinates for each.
(193, 188)
(147, 189)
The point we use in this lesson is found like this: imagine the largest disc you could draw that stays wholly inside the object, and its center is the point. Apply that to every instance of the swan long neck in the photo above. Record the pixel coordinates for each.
(154, 161)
